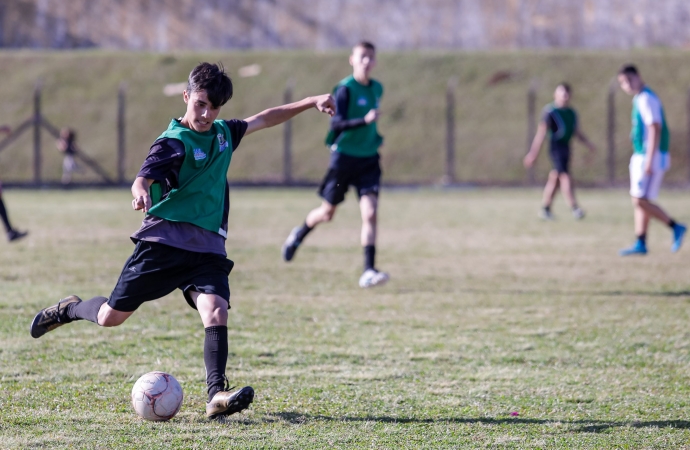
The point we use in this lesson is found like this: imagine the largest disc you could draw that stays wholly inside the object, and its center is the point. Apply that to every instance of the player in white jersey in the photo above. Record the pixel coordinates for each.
(649, 162)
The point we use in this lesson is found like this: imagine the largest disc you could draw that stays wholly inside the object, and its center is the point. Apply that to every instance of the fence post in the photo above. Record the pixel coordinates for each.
(287, 137)
(611, 132)
(37, 132)
(121, 133)
(449, 177)
(531, 124)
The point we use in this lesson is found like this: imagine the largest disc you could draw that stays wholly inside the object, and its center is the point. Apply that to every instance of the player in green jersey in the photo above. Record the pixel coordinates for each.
(182, 189)
(559, 120)
(354, 142)
(649, 161)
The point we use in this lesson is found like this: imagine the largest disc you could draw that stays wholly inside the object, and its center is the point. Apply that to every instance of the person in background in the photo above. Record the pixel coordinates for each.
(649, 161)
(560, 121)
(354, 142)
(66, 143)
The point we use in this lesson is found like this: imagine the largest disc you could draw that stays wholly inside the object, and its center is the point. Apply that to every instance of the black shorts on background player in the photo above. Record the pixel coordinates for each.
(560, 158)
(345, 171)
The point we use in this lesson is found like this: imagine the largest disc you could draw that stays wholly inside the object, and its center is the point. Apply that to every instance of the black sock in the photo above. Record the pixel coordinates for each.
(369, 255)
(3, 215)
(302, 232)
(547, 208)
(87, 310)
(215, 358)
(671, 223)
(642, 238)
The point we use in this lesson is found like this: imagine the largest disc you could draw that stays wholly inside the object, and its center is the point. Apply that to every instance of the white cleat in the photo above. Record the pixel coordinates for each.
(372, 277)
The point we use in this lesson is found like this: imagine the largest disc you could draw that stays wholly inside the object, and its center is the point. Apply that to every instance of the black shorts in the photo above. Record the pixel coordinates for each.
(345, 171)
(560, 157)
(154, 270)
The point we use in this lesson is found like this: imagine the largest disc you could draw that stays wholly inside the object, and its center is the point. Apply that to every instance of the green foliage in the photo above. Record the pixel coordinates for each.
(491, 124)
(489, 311)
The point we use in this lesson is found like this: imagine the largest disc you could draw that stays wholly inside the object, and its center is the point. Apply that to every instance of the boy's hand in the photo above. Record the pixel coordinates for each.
(142, 202)
(325, 104)
(372, 116)
(648, 168)
(528, 160)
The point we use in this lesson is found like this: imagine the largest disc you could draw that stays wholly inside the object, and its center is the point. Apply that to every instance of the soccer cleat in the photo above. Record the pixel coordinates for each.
(638, 248)
(545, 214)
(53, 317)
(578, 214)
(14, 235)
(225, 402)
(372, 277)
(290, 245)
(678, 235)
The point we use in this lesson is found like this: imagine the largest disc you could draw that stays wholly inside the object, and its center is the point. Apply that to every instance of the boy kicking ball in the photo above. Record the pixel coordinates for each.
(182, 188)
(354, 142)
(560, 121)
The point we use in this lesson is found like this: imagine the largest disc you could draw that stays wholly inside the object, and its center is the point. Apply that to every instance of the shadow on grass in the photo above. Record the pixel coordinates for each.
(582, 426)
(683, 293)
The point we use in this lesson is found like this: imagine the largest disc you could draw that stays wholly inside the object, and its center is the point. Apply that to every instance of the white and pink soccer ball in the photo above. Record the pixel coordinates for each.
(157, 396)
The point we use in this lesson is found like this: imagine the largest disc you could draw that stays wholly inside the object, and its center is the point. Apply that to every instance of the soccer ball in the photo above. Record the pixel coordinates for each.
(157, 396)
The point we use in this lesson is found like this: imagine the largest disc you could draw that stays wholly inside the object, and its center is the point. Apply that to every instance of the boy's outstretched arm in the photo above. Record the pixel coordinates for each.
(280, 114)
(140, 192)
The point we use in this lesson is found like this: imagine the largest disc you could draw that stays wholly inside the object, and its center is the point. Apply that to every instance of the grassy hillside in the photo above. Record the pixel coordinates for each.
(80, 91)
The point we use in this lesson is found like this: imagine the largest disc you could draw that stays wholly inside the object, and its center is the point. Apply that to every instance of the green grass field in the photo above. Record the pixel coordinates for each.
(80, 90)
(489, 311)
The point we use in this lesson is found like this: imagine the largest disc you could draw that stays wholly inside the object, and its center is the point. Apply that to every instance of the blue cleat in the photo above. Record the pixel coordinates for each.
(678, 235)
(638, 248)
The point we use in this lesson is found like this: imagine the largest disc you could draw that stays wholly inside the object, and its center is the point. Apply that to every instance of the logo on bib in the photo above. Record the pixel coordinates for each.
(222, 142)
(199, 154)
(362, 101)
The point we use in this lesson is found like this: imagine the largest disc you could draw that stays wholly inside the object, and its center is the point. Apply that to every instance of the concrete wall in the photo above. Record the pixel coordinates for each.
(165, 25)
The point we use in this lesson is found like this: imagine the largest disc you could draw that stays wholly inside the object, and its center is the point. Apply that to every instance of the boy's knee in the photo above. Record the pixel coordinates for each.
(637, 201)
(328, 213)
(213, 310)
(369, 215)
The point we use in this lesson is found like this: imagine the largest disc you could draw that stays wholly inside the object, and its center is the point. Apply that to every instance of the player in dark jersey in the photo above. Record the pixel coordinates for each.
(182, 188)
(12, 233)
(559, 120)
(354, 142)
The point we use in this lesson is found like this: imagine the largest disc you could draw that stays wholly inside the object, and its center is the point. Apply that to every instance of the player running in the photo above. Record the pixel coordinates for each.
(560, 120)
(649, 162)
(354, 142)
(182, 188)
